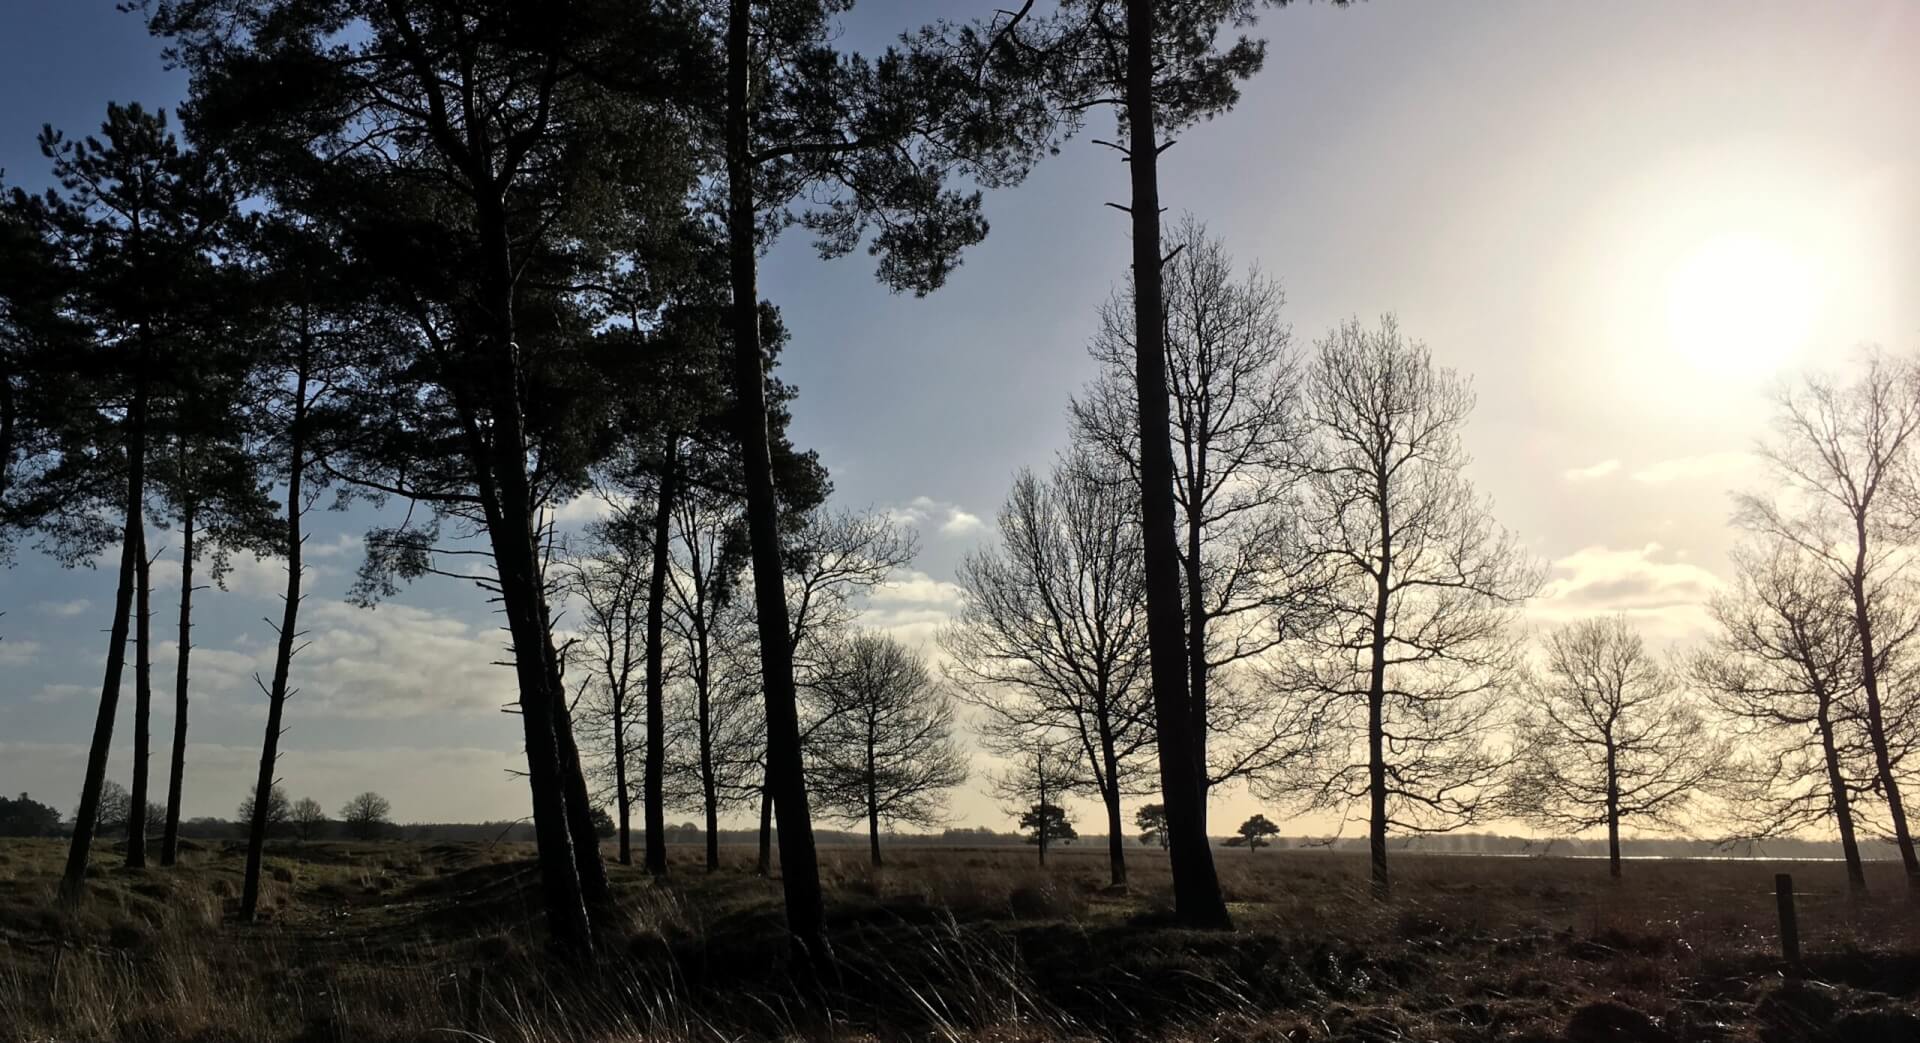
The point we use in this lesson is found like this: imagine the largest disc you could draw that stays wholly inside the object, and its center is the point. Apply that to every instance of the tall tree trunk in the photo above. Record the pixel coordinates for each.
(283, 651)
(1876, 722)
(1196, 887)
(1040, 832)
(654, 792)
(73, 880)
(799, 865)
(142, 706)
(177, 763)
(1842, 803)
(500, 471)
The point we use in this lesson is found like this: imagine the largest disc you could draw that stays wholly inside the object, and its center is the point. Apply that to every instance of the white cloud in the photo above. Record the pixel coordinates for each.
(590, 506)
(1660, 588)
(1591, 472)
(64, 609)
(950, 519)
(1726, 465)
(913, 587)
(18, 652)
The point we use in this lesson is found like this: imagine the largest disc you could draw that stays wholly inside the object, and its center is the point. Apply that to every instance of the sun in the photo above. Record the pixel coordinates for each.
(1740, 304)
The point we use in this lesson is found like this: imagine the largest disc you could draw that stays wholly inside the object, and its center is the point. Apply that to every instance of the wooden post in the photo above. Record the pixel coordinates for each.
(1789, 923)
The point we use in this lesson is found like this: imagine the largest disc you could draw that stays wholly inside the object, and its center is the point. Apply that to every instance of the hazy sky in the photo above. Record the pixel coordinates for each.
(1626, 221)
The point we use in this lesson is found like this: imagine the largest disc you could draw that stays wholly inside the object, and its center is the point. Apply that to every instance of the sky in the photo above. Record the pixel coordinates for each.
(1627, 222)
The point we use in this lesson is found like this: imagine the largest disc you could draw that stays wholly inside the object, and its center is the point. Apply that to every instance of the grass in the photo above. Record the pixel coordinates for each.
(404, 942)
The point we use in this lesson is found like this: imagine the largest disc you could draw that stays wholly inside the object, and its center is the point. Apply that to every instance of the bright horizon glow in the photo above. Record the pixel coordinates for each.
(1740, 303)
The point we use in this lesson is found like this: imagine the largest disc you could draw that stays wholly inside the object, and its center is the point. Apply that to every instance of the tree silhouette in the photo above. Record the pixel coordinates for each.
(366, 816)
(1610, 736)
(1152, 820)
(1421, 588)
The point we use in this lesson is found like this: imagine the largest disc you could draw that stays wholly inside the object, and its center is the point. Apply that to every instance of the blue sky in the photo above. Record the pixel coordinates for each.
(1624, 220)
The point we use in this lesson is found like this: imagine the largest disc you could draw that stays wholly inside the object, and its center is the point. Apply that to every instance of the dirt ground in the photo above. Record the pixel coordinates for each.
(403, 941)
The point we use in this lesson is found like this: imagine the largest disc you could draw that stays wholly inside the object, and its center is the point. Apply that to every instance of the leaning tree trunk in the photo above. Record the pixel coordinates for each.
(177, 763)
(799, 865)
(73, 881)
(654, 788)
(142, 706)
(1196, 887)
(595, 888)
(500, 470)
(1876, 721)
(1842, 803)
(283, 651)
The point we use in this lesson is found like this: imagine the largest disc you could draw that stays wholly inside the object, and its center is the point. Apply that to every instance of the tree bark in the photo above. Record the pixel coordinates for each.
(620, 798)
(654, 792)
(1196, 887)
(799, 866)
(142, 706)
(283, 651)
(73, 880)
(595, 890)
(177, 763)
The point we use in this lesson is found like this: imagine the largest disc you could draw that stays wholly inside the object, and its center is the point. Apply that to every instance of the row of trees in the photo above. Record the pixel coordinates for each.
(495, 254)
(1351, 605)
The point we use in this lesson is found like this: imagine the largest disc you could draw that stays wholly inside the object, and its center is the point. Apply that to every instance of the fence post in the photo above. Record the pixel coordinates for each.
(1789, 922)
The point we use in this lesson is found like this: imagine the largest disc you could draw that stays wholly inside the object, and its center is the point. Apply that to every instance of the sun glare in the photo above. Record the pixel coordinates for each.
(1740, 304)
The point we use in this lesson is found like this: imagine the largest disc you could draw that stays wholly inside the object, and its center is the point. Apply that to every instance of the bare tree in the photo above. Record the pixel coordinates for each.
(308, 818)
(1784, 666)
(1422, 586)
(366, 815)
(1052, 641)
(888, 752)
(1843, 454)
(607, 581)
(832, 558)
(1610, 736)
(276, 816)
(1236, 427)
(716, 703)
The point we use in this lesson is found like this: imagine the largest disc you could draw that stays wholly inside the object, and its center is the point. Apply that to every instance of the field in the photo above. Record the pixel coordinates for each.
(404, 942)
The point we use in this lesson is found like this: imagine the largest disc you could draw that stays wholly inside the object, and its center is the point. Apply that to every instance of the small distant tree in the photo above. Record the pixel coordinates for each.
(1044, 824)
(1255, 833)
(366, 816)
(113, 809)
(309, 818)
(887, 751)
(603, 826)
(1152, 820)
(27, 817)
(279, 811)
(1042, 772)
(1610, 736)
